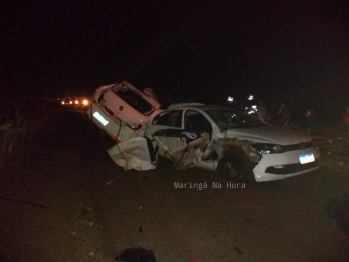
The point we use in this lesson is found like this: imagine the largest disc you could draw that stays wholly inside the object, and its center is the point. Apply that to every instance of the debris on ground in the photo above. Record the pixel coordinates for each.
(338, 209)
(136, 255)
(238, 250)
(23, 201)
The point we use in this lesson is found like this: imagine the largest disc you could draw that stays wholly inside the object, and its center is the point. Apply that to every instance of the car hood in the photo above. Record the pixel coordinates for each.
(268, 134)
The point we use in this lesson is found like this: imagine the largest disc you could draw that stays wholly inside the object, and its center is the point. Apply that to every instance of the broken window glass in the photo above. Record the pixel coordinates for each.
(172, 119)
(134, 100)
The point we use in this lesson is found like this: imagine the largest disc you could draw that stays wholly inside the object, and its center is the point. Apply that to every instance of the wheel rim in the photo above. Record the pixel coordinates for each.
(231, 170)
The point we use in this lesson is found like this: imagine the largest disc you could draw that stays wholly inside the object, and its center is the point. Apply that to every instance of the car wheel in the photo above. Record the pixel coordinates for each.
(232, 169)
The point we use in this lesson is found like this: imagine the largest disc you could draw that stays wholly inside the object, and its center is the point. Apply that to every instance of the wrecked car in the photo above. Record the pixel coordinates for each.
(196, 135)
(122, 110)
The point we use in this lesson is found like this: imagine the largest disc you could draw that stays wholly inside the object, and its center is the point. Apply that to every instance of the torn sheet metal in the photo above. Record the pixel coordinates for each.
(223, 144)
(132, 154)
(183, 157)
(205, 153)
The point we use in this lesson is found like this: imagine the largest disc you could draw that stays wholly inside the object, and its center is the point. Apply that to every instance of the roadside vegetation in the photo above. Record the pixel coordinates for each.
(22, 121)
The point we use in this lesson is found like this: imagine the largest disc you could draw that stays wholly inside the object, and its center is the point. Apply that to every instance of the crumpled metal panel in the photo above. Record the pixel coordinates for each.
(132, 154)
(224, 144)
(201, 150)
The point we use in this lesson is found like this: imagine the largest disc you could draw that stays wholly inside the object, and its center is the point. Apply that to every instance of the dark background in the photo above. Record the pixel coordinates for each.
(292, 51)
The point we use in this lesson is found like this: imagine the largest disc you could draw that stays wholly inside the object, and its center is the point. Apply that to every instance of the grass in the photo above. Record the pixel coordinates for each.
(21, 125)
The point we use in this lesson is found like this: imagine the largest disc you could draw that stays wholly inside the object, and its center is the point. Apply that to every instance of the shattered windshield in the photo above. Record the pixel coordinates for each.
(230, 119)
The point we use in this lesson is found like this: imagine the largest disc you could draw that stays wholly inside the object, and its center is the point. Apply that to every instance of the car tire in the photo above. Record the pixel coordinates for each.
(231, 168)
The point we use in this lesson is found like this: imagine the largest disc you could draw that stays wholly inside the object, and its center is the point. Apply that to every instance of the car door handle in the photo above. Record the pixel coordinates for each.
(184, 142)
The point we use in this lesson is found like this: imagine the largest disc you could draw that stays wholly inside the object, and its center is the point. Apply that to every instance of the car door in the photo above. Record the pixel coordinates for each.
(196, 122)
(166, 129)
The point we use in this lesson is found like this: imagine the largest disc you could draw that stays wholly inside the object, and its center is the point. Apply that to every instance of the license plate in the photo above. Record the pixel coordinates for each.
(100, 118)
(307, 158)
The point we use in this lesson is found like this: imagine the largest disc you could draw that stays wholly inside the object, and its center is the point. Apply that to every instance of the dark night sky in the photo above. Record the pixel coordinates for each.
(288, 49)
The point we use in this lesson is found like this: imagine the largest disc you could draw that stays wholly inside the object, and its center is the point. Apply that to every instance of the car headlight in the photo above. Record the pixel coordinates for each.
(85, 102)
(268, 148)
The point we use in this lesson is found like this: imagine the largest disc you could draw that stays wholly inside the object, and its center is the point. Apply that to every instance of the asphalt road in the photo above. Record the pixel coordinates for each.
(91, 209)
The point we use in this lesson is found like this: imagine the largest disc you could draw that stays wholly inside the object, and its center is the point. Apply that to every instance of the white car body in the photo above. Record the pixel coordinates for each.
(111, 111)
(189, 136)
(271, 166)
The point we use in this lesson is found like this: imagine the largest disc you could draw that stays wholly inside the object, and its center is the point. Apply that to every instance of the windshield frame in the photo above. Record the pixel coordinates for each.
(239, 119)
